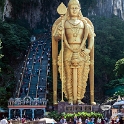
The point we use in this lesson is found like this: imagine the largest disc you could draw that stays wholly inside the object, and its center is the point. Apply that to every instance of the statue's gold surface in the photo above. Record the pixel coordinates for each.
(76, 58)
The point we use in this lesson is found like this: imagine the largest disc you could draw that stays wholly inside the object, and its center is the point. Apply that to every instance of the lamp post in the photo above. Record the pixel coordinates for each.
(105, 108)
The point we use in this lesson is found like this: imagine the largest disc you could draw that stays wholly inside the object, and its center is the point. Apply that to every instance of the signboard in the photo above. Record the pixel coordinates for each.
(78, 108)
(105, 107)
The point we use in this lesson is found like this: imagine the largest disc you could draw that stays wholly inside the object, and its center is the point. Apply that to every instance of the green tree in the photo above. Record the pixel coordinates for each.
(2, 2)
(87, 6)
(108, 49)
(15, 41)
(119, 92)
(116, 86)
(108, 45)
(119, 68)
(0, 52)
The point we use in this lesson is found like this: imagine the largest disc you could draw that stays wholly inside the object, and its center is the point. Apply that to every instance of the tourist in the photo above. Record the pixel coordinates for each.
(103, 121)
(70, 121)
(4, 121)
(98, 121)
(90, 121)
(75, 119)
(80, 121)
(106, 119)
(63, 120)
(117, 120)
(27, 62)
(41, 89)
(86, 120)
(23, 120)
(121, 120)
(9, 122)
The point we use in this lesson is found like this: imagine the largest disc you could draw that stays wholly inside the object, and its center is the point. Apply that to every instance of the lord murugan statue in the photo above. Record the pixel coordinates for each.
(75, 60)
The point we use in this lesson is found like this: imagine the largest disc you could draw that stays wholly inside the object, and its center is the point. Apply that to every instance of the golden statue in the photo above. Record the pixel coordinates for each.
(76, 58)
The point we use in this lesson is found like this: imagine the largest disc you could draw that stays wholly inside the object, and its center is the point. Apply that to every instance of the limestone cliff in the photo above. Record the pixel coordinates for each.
(44, 12)
(5, 11)
(109, 7)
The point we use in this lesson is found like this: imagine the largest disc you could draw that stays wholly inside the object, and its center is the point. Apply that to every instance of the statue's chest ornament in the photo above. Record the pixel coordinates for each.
(75, 29)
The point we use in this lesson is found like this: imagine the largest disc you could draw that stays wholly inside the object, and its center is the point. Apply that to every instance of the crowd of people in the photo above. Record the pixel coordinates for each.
(4, 120)
(75, 120)
(92, 120)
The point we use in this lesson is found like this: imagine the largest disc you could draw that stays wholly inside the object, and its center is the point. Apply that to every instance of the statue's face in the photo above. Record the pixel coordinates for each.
(74, 10)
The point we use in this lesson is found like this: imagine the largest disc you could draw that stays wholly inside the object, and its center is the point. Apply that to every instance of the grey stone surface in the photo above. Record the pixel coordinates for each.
(44, 13)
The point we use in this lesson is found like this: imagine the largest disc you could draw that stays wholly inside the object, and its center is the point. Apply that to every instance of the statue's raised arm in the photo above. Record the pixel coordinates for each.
(76, 60)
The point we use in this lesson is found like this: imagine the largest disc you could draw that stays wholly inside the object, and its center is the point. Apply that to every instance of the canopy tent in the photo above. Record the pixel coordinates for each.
(3, 110)
(118, 103)
(118, 114)
(47, 120)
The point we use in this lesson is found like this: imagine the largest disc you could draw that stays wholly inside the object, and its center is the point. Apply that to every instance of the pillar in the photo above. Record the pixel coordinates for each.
(44, 111)
(20, 113)
(32, 113)
(9, 113)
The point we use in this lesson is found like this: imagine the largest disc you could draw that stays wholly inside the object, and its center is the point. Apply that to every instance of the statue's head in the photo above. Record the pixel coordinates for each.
(73, 2)
(74, 8)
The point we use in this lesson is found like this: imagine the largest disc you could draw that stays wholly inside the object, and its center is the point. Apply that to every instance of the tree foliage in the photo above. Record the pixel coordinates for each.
(87, 5)
(83, 115)
(0, 52)
(119, 68)
(114, 83)
(119, 92)
(108, 45)
(116, 86)
(108, 49)
(2, 2)
(15, 41)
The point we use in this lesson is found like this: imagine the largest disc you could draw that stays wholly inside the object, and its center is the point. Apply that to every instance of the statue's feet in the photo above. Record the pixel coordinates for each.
(80, 102)
(93, 103)
(70, 102)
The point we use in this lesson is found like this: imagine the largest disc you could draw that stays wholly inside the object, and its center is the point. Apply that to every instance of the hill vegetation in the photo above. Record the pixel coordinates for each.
(15, 41)
(109, 51)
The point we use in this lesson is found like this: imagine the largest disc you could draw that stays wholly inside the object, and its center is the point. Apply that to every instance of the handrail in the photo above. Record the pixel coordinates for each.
(21, 78)
(31, 72)
(39, 71)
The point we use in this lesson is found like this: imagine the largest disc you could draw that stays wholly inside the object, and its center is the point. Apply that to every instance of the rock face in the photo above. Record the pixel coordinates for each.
(45, 12)
(109, 7)
(0, 13)
(6, 12)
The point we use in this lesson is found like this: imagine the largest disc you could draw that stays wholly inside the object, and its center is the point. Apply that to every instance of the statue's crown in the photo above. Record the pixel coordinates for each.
(73, 2)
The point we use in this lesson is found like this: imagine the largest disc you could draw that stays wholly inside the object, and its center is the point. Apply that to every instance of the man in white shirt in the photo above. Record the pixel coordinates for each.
(98, 120)
(4, 121)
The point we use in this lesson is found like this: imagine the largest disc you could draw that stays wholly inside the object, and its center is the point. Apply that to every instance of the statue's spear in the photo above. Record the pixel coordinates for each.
(62, 11)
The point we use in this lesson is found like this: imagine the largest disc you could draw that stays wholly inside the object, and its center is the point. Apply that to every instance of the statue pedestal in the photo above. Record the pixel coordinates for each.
(65, 107)
(61, 106)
